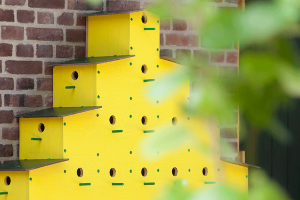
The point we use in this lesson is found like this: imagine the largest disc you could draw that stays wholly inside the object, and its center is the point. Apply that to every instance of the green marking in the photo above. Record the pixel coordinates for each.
(149, 183)
(157, 21)
(210, 182)
(92, 57)
(97, 154)
(218, 170)
(149, 29)
(130, 171)
(157, 116)
(148, 80)
(18, 166)
(70, 87)
(157, 170)
(130, 116)
(157, 101)
(30, 113)
(98, 72)
(131, 19)
(117, 131)
(131, 48)
(65, 123)
(65, 171)
(3, 192)
(97, 115)
(157, 49)
(65, 150)
(117, 183)
(39, 139)
(157, 66)
(48, 159)
(84, 184)
(246, 176)
(98, 170)
(30, 179)
(130, 152)
(115, 55)
(130, 98)
(188, 118)
(189, 170)
(98, 96)
(149, 131)
(189, 150)
(130, 63)
(188, 98)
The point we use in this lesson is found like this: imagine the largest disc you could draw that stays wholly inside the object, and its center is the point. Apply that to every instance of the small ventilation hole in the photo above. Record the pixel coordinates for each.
(41, 127)
(79, 172)
(112, 119)
(74, 75)
(174, 121)
(205, 171)
(112, 172)
(144, 172)
(7, 180)
(144, 19)
(144, 120)
(144, 69)
(174, 171)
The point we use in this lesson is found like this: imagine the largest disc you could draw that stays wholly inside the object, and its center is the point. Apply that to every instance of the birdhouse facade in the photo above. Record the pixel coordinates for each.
(88, 146)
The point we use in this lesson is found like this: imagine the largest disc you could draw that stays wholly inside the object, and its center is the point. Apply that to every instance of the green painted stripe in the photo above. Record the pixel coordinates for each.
(70, 87)
(36, 139)
(148, 80)
(149, 183)
(146, 29)
(210, 182)
(117, 131)
(117, 183)
(3, 192)
(149, 131)
(85, 184)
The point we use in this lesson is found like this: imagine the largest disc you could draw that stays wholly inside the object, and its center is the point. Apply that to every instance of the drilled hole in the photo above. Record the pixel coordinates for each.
(7, 180)
(144, 172)
(144, 120)
(112, 119)
(174, 171)
(174, 121)
(74, 75)
(144, 19)
(79, 172)
(205, 171)
(41, 127)
(144, 69)
(112, 172)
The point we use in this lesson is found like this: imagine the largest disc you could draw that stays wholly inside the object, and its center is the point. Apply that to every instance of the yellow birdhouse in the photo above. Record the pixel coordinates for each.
(100, 116)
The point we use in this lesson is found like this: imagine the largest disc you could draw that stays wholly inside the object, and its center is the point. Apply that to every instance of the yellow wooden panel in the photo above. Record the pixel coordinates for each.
(108, 35)
(18, 188)
(236, 175)
(51, 145)
(84, 93)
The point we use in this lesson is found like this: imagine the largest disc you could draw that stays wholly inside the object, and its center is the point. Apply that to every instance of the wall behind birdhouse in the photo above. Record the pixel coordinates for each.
(36, 33)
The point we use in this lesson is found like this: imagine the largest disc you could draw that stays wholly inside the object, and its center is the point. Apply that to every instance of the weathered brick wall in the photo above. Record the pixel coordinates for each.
(36, 33)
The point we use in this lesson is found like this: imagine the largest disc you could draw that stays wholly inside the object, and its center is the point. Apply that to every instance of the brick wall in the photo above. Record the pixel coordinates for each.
(36, 33)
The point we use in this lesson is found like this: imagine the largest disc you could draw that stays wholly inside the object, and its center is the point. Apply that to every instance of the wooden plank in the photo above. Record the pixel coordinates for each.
(109, 12)
(27, 165)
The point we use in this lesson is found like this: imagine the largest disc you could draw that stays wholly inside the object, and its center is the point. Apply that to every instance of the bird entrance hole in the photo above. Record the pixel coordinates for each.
(144, 19)
(144, 172)
(174, 171)
(41, 127)
(174, 121)
(7, 180)
(144, 120)
(112, 172)
(112, 119)
(79, 172)
(74, 75)
(144, 69)
(205, 171)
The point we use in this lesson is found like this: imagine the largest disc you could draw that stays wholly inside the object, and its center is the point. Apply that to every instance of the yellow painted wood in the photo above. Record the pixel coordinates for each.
(84, 93)
(18, 188)
(51, 145)
(108, 35)
(236, 175)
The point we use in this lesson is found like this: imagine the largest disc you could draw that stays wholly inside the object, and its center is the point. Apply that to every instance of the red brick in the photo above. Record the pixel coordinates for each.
(232, 57)
(10, 133)
(6, 150)
(161, 39)
(44, 84)
(12, 33)
(64, 51)
(49, 100)
(81, 20)
(0, 101)
(15, 2)
(79, 52)
(166, 53)
(14, 100)
(45, 34)
(6, 116)
(75, 35)
(25, 16)
(65, 19)
(45, 18)
(83, 5)
(6, 83)
(7, 15)
(33, 101)
(46, 3)
(5, 49)
(25, 84)
(183, 53)
(217, 57)
(228, 133)
(23, 67)
(44, 51)
(181, 40)
(165, 24)
(202, 55)
(48, 68)
(0, 66)
(122, 5)
(179, 25)
(25, 50)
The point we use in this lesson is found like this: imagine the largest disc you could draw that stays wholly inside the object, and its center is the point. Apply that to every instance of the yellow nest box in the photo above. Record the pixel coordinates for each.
(88, 145)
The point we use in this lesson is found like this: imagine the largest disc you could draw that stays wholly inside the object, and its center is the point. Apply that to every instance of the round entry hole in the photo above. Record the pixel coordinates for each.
(74, 75)
(112, 119)
(144, 19)
(7, 180)
(112, 172)
(144, 69)
(174, 171)
(144, 120)
(79, 172)
(174, 120)
(41, 127)
(144, 172)
(205, 171)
